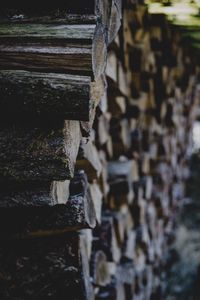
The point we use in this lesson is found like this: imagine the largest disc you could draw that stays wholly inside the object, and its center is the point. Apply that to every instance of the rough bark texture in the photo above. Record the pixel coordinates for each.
(43, 95)
(133, 91)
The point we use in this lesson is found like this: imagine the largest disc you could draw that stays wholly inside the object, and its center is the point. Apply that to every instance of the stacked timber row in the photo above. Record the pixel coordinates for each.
(97, 103)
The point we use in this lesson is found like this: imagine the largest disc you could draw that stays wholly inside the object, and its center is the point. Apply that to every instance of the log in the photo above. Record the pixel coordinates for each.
(76, 49)
(42, 268)
(88, 160)
(98, 89)
(130, 245)
(105, 238)
(96, 196)
(47, 47)
(84, 262)
(27, 194)
(30, 95)
(77, 213)
(125, 271)
(76, 12)
(108, 292)
(100, 269)
(45, 16)
(75, 7)
(79, 49)
(39, 155)
(120, 179)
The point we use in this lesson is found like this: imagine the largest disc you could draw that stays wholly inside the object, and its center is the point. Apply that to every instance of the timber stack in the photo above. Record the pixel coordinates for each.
(96, 99)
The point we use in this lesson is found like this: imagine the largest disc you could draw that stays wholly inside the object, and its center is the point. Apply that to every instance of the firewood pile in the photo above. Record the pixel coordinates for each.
(97, 106)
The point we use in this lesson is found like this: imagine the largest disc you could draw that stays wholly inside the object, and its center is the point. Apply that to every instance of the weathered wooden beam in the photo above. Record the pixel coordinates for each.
(39, 155)
(30, 95)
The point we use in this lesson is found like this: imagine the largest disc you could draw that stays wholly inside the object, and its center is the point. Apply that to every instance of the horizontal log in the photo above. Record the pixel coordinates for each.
(42, 268)
(30, 95)
(105, 10)
(77, 213)
(43, 32)
(74, 7)
(108, 292)
(76, 49)
(41, 222)
(29, 194)
(54, 16)
(88, 291)
(39, 155)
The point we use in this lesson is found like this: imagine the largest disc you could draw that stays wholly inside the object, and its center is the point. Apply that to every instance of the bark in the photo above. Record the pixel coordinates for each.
(39, 155)
(30, 95)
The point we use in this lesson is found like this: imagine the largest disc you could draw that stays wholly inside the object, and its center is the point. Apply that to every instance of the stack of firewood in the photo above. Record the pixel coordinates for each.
(97, 105)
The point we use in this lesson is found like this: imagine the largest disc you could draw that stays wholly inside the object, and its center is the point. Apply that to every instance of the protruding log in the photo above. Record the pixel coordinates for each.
(39, 155)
